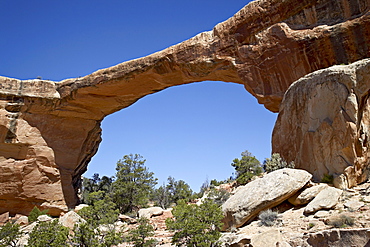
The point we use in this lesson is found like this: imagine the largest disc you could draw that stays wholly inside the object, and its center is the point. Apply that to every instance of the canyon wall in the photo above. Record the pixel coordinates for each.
(50, 130)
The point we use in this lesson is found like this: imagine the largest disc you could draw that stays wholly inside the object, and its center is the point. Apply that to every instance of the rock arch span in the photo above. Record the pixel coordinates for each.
(50, 130)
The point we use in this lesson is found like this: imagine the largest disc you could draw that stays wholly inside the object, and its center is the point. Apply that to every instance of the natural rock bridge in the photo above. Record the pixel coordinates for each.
(50, 130)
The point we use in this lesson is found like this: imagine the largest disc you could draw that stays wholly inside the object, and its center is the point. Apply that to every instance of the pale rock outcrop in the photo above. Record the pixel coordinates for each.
(70, 219)
(271, 237)
(306, 195)
(49, 130)
(23, 220)
(335, 237)
(44, 218)
(354, 205)
(326, 199)
(233, 239)
(323, 124)
(80, 206)
(261, 194)
(149, 212)
(127, 219)
(4, 218)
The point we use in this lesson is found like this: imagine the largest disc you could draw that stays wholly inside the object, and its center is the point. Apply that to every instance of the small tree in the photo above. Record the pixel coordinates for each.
(246, 168)
(276, 162)
(35, 213)
(48, 234)
(195, 226)
(9, 235)
(134, 183)
(161, 196)
(84, 235)
(178, 190)
(102, 212)
(139, 236)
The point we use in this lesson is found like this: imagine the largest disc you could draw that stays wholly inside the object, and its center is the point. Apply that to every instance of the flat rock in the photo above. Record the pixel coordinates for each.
(149, 212)
(44, 218)
(321, 214)
(354, 205)
(326, 199)
(306, 195)
(270, 237)
(261, 194)
(127, 219)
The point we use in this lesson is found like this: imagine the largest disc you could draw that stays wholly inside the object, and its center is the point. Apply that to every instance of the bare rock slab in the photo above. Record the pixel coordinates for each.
(326, 199)
(307, 195)
(149, 212)
(261, 194)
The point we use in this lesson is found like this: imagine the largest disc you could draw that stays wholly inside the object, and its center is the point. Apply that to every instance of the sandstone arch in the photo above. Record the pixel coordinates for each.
(50, 130)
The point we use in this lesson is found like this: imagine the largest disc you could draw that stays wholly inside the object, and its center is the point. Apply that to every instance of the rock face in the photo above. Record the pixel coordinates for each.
(261, 194)
(50, 130)
(325, 119)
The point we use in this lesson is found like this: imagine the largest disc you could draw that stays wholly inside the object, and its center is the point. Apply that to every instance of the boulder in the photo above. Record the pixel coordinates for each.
(79, 207)
(261, 194)
(44, 218)
(326, 199)
(4, 218)
(149, 212)
(23, 220)
(127, 219)
(354, 205)
(324, 120)
(70, 219)
(306, 195)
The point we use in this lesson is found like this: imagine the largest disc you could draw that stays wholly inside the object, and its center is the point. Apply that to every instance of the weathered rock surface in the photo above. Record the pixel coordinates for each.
(325, 119)
(70, 219)
(326, 199)
(50, 130)
(261, 194)
(149, 212)
(306, 195)
(335, 237)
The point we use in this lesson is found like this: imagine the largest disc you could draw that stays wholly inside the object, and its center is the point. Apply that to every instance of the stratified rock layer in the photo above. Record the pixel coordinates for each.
(50, 130)
(323, 124)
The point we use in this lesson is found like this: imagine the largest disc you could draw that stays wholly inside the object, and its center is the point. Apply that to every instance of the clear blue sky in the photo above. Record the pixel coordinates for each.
(190, 132)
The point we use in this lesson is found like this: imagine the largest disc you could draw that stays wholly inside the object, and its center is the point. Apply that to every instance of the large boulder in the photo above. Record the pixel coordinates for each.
(149, 212)
(326, 199)
(307, 195)
(323, 124)
(49, 131)
(261, 194)
(70, 219)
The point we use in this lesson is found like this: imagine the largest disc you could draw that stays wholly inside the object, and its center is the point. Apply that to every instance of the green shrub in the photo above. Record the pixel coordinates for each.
(50, 234)
(139, 236)
(246, 168)
(9, 235)
(342, 221)
(327, 179)
(35, 213)
(196, 225)
(218, 196)
(268, 218)
(276, 163)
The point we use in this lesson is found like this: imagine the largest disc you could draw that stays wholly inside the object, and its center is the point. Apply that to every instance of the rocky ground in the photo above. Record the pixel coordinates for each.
(336, 218)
